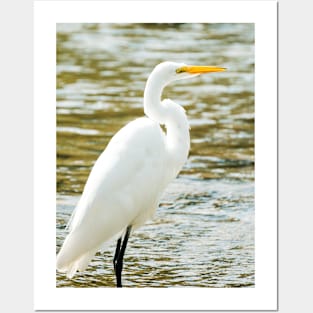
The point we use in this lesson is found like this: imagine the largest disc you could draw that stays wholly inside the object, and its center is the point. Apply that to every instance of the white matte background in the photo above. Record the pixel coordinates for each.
(295, 114)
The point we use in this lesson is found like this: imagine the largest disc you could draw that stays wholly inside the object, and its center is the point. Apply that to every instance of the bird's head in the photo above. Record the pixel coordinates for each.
(171, 71)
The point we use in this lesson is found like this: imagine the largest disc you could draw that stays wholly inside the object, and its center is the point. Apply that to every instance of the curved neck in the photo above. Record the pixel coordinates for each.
(173, 116)
(153, 107)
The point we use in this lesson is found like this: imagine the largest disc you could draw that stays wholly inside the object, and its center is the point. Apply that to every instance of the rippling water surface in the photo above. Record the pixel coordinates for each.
(202, 235)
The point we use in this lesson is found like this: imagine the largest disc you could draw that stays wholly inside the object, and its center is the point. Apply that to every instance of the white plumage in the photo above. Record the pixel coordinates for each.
(127, 181)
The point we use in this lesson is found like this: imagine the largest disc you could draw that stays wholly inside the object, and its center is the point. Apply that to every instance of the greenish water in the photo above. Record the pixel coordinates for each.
(203, 233)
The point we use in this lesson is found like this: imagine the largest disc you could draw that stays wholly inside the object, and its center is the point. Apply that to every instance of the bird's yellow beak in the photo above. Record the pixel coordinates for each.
(194, 69)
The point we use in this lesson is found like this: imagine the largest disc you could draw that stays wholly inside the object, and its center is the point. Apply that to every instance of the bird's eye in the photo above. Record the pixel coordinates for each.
(181, 69)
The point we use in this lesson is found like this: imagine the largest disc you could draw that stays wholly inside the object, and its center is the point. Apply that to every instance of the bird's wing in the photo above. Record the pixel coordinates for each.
(123, 187)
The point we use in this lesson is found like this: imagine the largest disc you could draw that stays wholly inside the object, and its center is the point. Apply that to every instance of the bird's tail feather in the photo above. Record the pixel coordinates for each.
(78, 264)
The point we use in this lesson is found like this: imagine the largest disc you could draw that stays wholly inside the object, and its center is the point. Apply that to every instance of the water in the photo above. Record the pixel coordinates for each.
(203, 233)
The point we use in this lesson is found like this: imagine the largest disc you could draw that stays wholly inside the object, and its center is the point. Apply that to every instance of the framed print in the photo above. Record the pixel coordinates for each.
(146, 179)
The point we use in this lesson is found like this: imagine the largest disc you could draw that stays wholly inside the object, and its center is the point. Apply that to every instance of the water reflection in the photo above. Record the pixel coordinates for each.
(101, 74)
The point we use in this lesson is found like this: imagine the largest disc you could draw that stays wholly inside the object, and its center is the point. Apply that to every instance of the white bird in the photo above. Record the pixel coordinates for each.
(126, 183)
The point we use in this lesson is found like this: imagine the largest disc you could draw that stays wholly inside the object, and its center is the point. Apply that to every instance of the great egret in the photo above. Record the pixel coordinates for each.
(125, 185)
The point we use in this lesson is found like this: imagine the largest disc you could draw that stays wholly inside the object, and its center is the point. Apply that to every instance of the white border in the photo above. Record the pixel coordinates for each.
(264, 295)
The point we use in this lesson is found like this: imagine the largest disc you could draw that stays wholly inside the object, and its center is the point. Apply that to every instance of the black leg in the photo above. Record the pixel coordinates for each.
(119, 255)
(117, 251)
